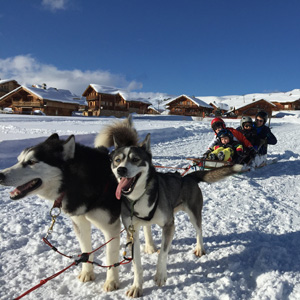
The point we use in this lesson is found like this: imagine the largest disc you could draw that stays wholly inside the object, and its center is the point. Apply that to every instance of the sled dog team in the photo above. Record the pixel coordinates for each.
(102, 188)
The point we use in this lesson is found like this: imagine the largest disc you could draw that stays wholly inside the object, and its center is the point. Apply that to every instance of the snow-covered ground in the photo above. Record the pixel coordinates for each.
(251, 222)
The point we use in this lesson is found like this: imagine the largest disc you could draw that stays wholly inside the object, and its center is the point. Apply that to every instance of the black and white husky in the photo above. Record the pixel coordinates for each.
(82, 179)
(153, 198)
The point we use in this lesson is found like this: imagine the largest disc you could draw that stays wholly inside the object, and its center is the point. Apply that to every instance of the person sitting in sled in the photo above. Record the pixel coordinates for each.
(248, 129)
(264, 132)
(217, 124)
(226, 149)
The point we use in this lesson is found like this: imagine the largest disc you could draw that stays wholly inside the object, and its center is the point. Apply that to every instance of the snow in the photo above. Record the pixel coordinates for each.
(251, 222)
(239, 101)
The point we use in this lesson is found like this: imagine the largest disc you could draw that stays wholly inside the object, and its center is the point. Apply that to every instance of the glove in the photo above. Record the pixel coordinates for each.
(205, 155)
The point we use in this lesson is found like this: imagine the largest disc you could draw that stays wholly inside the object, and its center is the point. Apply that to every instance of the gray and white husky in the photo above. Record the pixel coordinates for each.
(81, 179)
(153, 198)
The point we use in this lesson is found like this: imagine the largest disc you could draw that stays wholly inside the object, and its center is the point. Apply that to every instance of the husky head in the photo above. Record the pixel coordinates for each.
(39, 169)
(130, 166)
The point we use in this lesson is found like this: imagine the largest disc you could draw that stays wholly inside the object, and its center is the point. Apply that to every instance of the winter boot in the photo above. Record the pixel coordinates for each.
(221, 155)
(212, 156)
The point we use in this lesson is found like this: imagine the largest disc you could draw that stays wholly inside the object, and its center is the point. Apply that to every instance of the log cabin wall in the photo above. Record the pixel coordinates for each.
(253, 108)
(7, 87)
(186, 107)
(288, 105)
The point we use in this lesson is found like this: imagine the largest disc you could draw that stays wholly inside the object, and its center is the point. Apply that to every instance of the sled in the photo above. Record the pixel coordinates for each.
(207, 164)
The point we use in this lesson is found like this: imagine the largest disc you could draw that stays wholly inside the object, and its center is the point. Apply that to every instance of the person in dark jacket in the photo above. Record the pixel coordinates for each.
(226, 149)
(248, 129)
(264, 132)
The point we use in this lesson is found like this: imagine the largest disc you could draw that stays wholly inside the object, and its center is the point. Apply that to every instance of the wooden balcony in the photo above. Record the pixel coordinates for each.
(26, 103)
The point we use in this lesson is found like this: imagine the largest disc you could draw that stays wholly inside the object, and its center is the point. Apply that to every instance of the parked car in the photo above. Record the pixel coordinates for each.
(39, 112)
(7, 110)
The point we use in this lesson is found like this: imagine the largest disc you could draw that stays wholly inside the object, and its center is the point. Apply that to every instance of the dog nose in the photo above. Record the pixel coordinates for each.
(2, 177)
(122, 171)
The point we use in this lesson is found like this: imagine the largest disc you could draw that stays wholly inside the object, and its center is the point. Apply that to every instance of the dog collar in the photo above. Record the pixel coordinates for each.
(58, 202)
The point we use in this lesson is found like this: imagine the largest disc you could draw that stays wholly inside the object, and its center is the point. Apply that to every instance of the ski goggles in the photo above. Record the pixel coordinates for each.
(224, 132)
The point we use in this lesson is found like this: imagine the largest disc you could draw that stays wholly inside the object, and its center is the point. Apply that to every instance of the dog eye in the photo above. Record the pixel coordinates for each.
(135, 159)
(31, 162)
(117, 160)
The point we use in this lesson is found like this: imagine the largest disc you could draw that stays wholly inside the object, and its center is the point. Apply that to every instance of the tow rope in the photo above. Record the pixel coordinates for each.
(81, 258)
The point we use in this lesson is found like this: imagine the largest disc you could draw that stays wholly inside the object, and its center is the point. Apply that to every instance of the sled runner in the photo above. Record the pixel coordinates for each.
(208, 164)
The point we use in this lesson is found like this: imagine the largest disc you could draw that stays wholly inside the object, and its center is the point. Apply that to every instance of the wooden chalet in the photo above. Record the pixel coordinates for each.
(287, 101)
(51, 101)
(189, 106)
(285, 105)
(219, 108)
(251, 109)
(110, 101)
(7, 86)
(153, 111)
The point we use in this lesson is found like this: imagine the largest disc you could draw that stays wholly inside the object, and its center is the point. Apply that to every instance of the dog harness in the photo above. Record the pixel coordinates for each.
(133, 213)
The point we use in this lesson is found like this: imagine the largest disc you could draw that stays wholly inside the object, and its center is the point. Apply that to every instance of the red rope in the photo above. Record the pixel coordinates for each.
(43, 281)
(83, 258)
(54, 248)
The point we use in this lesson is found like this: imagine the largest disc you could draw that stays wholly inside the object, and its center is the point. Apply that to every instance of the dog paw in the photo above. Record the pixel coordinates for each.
(110, 285)
(199, 252)
(150, 249)
(134, 292)
(160, 278)
(86, 276)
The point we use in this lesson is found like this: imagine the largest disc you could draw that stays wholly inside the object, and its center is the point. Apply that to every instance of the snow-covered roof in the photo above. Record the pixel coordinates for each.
(155, 109)
(238, 101)
(105, 89)
(197, 101)
(6, 80)
(127, 96)
(59, 95)
(241, 105)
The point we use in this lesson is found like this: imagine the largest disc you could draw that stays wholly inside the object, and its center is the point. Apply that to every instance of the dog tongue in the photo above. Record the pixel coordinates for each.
(124, 184)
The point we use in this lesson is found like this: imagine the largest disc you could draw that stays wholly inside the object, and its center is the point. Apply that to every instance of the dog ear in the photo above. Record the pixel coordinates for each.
(117, 144)
(146, 143)
(54, 136)
(69, 148)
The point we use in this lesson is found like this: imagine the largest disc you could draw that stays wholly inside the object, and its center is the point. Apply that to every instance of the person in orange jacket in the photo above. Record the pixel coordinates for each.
(217, 124)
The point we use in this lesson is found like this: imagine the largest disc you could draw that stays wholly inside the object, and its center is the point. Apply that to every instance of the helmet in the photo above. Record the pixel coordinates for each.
(262, 114)
(245, 119)
(216, 122)
(224, 133)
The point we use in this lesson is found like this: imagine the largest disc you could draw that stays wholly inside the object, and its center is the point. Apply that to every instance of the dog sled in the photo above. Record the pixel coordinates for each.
(250, 163)
(208, 164)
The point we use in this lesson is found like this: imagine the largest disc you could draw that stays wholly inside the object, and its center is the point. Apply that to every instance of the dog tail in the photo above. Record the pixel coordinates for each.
(123, 131)
(216, 174)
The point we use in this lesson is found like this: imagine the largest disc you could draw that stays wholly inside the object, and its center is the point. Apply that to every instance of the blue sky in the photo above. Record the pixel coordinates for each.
(197, 47)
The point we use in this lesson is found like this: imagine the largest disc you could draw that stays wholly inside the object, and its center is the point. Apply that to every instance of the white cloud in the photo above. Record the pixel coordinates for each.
(27, 70)
(55, 4)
